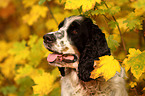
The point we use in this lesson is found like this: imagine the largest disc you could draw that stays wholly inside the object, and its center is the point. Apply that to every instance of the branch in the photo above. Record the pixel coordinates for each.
(123, 43)
(51, 13)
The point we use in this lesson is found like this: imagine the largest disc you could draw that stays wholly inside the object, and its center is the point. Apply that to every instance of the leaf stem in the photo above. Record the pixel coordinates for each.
(123, 43)
(51, 13)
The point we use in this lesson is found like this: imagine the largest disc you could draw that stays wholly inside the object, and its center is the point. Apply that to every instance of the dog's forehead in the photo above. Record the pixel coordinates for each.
(69, 20)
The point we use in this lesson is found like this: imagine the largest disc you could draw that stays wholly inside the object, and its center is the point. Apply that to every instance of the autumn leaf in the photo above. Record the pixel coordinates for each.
(27, 70)
(139, 4)
(29, 3)
(36, 52)
(4, 3)
(135, 61)
(19, 50)
(36, 12)
(8, 67)
(86, 4)
(113, 44)
(132, 84)
(44, 84)
(106, 67)
(132, 21)
(4, 49)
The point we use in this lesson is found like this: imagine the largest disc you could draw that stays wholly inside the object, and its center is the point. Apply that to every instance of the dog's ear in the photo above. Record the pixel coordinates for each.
(61, 24)
(95, 47)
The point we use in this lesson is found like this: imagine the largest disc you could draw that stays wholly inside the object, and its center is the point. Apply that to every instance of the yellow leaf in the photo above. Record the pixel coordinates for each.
(28, 70)
(4, 49)
(4, 3)
(51, 24)
(44, 84)
(135, 61)
(106, 67)
(86, 4)
(8, 67)
(36, 12)
(132, 84)
(29, 3)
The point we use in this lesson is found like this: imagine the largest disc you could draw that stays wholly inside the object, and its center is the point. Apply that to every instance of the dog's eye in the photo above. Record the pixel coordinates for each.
(74, 32)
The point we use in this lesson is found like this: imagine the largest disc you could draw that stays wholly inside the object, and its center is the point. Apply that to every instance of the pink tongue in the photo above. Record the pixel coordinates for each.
(53, 57)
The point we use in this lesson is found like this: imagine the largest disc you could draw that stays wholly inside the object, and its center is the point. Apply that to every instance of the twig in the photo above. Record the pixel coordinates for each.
(51, 13)
(106, 17)
(123, 43)
(134, 89)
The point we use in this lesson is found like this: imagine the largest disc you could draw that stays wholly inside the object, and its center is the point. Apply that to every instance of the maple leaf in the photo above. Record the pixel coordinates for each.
(4, 3)
(132, 21)
(136, 62)
(8, 67)
(132, 84)
(106, 67)
(44, 84)
(4, 49)
(36, 12)
(86, 4)
(29, 3)
(36, 52)
(113, 44)
(32, 40)
(139, 4)
(19, 50)
(27, 70)
(51, 24)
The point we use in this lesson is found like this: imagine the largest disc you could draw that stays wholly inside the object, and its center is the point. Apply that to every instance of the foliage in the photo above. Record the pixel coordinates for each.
(24, 70)
(103, 67)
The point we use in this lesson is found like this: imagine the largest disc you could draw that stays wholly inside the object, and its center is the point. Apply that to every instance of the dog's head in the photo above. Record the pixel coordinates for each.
(76, 44)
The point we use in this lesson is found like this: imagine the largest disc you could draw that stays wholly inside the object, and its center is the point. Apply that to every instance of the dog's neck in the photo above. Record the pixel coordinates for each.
(71, 85)
(74, 85)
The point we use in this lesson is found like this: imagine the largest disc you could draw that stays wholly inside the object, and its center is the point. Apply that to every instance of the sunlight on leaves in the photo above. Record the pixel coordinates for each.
(135, 61)
(20, 51)
(44, 84)
(132, 84)
(36, 12)
(86, 4)
(103, 67)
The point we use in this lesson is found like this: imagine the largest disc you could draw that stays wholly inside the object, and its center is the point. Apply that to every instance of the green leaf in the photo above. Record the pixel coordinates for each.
(55, 92)
(25, 82)
(113, 44)
(132, 21)
(8, 89)
(139, 4)
(19, 50)
(80, 10)
(60, 1)
(135, 61)
(113, 24)
(131, 24)
(99, 11)
(113, 10)
(32, 40)
(36, 53)
(41, 2)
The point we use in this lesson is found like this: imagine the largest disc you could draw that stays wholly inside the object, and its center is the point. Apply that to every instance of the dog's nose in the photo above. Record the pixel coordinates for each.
(49, 38)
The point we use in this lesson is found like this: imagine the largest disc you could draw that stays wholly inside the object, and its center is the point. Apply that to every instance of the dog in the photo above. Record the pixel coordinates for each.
(75, 46)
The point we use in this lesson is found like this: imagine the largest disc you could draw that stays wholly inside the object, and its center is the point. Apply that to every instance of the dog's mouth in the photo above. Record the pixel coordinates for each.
(59, 57)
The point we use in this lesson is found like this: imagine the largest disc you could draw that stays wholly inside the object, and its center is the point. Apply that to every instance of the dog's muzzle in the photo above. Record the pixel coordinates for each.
(56, 57)
(49, 38)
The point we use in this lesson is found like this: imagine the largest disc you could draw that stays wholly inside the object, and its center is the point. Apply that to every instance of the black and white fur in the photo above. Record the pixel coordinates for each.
(78, 35)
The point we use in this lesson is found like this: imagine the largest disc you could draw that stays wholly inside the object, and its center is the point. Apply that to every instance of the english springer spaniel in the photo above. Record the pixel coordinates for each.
(75, 46)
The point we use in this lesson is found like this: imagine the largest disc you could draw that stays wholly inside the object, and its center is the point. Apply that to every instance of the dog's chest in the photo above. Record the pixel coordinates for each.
(72, 86)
